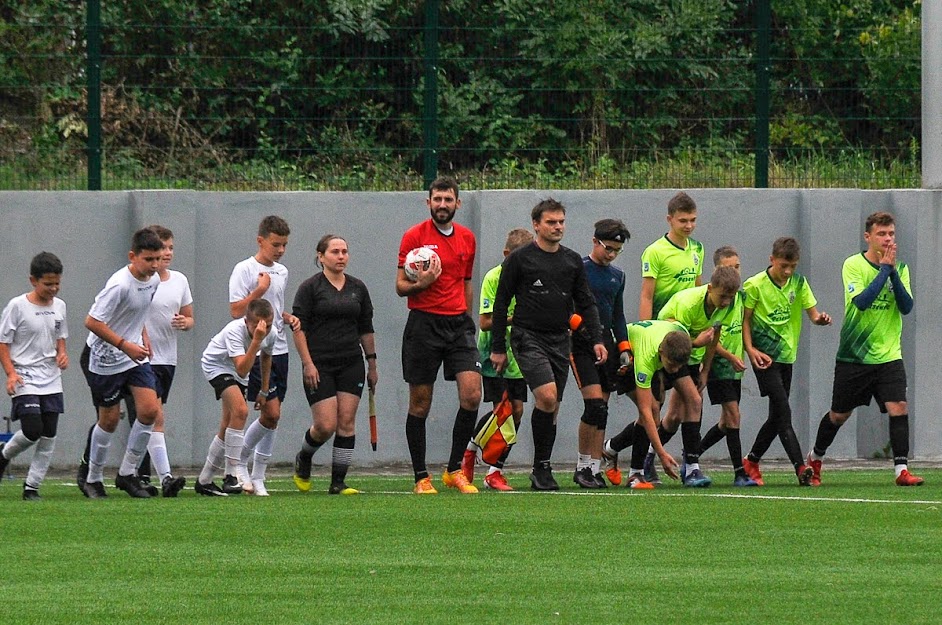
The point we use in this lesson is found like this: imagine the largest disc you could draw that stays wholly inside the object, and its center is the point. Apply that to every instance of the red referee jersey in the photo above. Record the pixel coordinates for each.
(456, 251)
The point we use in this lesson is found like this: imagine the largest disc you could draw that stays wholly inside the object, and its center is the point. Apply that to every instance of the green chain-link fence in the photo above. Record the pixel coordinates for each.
(378, 94)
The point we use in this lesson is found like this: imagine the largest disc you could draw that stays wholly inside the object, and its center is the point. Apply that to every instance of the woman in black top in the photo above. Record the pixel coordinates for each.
(336, 334)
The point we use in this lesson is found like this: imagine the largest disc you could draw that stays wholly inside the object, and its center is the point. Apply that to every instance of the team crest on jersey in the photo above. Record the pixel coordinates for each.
(642, 377)
(486, 303)
(791, 297)
(696, 259)
(58, 325)
(646, 266)
(850, 288)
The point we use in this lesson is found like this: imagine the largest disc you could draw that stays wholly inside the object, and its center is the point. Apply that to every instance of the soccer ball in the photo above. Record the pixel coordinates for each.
(418, 258)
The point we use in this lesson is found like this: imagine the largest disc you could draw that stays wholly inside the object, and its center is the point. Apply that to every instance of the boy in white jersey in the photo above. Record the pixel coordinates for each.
(32, 352)
(170, 312)
(870, 358)
(262, 277)
(226, 364)
(116, 360)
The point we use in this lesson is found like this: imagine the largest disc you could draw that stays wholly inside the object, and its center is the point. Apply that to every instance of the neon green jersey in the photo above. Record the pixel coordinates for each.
(673, 268)
(488, 293)
(731, 340)
(645, 338)
(870, 336)
(776, 322)
(689, 308)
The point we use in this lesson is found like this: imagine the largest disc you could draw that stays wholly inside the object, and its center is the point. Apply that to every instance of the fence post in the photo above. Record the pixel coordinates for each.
(430, 104)
(931, 96)
(763, 67)
(93, 70)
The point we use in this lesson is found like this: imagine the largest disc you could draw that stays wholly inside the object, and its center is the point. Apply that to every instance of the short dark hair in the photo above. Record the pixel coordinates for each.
(725, 279)
(146, 239)
(165, 234)
(43, 263)
(681, 203)
(273, 224)
(443, 183)
(612, 230)
(721, 253)
(260, 309)
(880, 218)
(517, 238)
(676, 347)
(786, 248)
(549, 205)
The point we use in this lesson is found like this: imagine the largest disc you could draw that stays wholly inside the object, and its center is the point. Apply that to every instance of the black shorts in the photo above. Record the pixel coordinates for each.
(587, 373)
(778, 374)
(625, 384)
(432, 341)
(164, 377)
(723, 391)
(494, 389)
(346, 375)
(224, 381)
(36, 405)
(542, 357)
(692, 371)
(277, 379)
(855, 384)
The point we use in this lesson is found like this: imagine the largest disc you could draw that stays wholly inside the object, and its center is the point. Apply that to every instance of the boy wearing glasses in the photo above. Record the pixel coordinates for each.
(597, 381)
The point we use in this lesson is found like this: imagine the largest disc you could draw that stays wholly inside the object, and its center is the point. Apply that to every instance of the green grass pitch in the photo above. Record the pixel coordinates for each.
(856, 550)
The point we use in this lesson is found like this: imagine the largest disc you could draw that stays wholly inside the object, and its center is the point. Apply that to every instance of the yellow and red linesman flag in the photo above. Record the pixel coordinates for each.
(372, 420)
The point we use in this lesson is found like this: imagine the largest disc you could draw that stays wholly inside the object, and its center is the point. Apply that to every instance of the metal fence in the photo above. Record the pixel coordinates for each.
(376, 95)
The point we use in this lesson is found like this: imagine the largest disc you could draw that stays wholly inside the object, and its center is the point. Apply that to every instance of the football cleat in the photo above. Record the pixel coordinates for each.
(341, 489)
(231, 485)
(458, 481)
(94, 490)
(424, 487)
(302, 472)
(696, 479)
(744, 481)
(908, 479)
(599, 480)
(815, 470)
(146, 485)
(468, 460)
(542, 478)
(171, 486)
(610, 465)
(752, 470)
(131, 484)
(496, 481)
(584, 478)
(650, 470)
(805, 474)
(210, 490)
(30, 494)
(636, 481)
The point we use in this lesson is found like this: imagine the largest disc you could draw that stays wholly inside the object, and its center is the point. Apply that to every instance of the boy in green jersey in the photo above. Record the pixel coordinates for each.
(869, 358)
(659, 349)
(700, 309)
(775, 299)
(724, 382)
(495, 384)
(669, 265)
(672, 263)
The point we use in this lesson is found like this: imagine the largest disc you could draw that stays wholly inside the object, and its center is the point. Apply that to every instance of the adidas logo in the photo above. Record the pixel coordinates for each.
(538, 282)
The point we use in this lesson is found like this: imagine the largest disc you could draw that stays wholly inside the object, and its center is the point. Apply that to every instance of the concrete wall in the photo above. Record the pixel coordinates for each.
(213, 231)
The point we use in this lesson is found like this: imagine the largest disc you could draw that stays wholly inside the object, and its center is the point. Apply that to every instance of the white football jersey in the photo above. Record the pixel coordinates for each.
(32, 331)
(123, 306)
(243, 281)
(173, 294)
(232, 341)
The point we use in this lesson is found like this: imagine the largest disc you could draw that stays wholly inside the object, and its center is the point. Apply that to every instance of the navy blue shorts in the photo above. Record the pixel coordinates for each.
(26, 405)
(164, 376)
(277, 380)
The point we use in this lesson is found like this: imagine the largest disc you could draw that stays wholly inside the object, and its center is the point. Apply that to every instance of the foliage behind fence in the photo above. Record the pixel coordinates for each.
(365, 94)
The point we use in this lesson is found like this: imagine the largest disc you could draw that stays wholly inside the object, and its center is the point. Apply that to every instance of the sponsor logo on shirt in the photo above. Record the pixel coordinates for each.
(850, 288)
(487, 302)
(538, 282)
(44, 312)
(646, 266)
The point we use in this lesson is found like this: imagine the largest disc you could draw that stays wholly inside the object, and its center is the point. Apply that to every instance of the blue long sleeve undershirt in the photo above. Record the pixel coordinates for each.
(869, 295)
